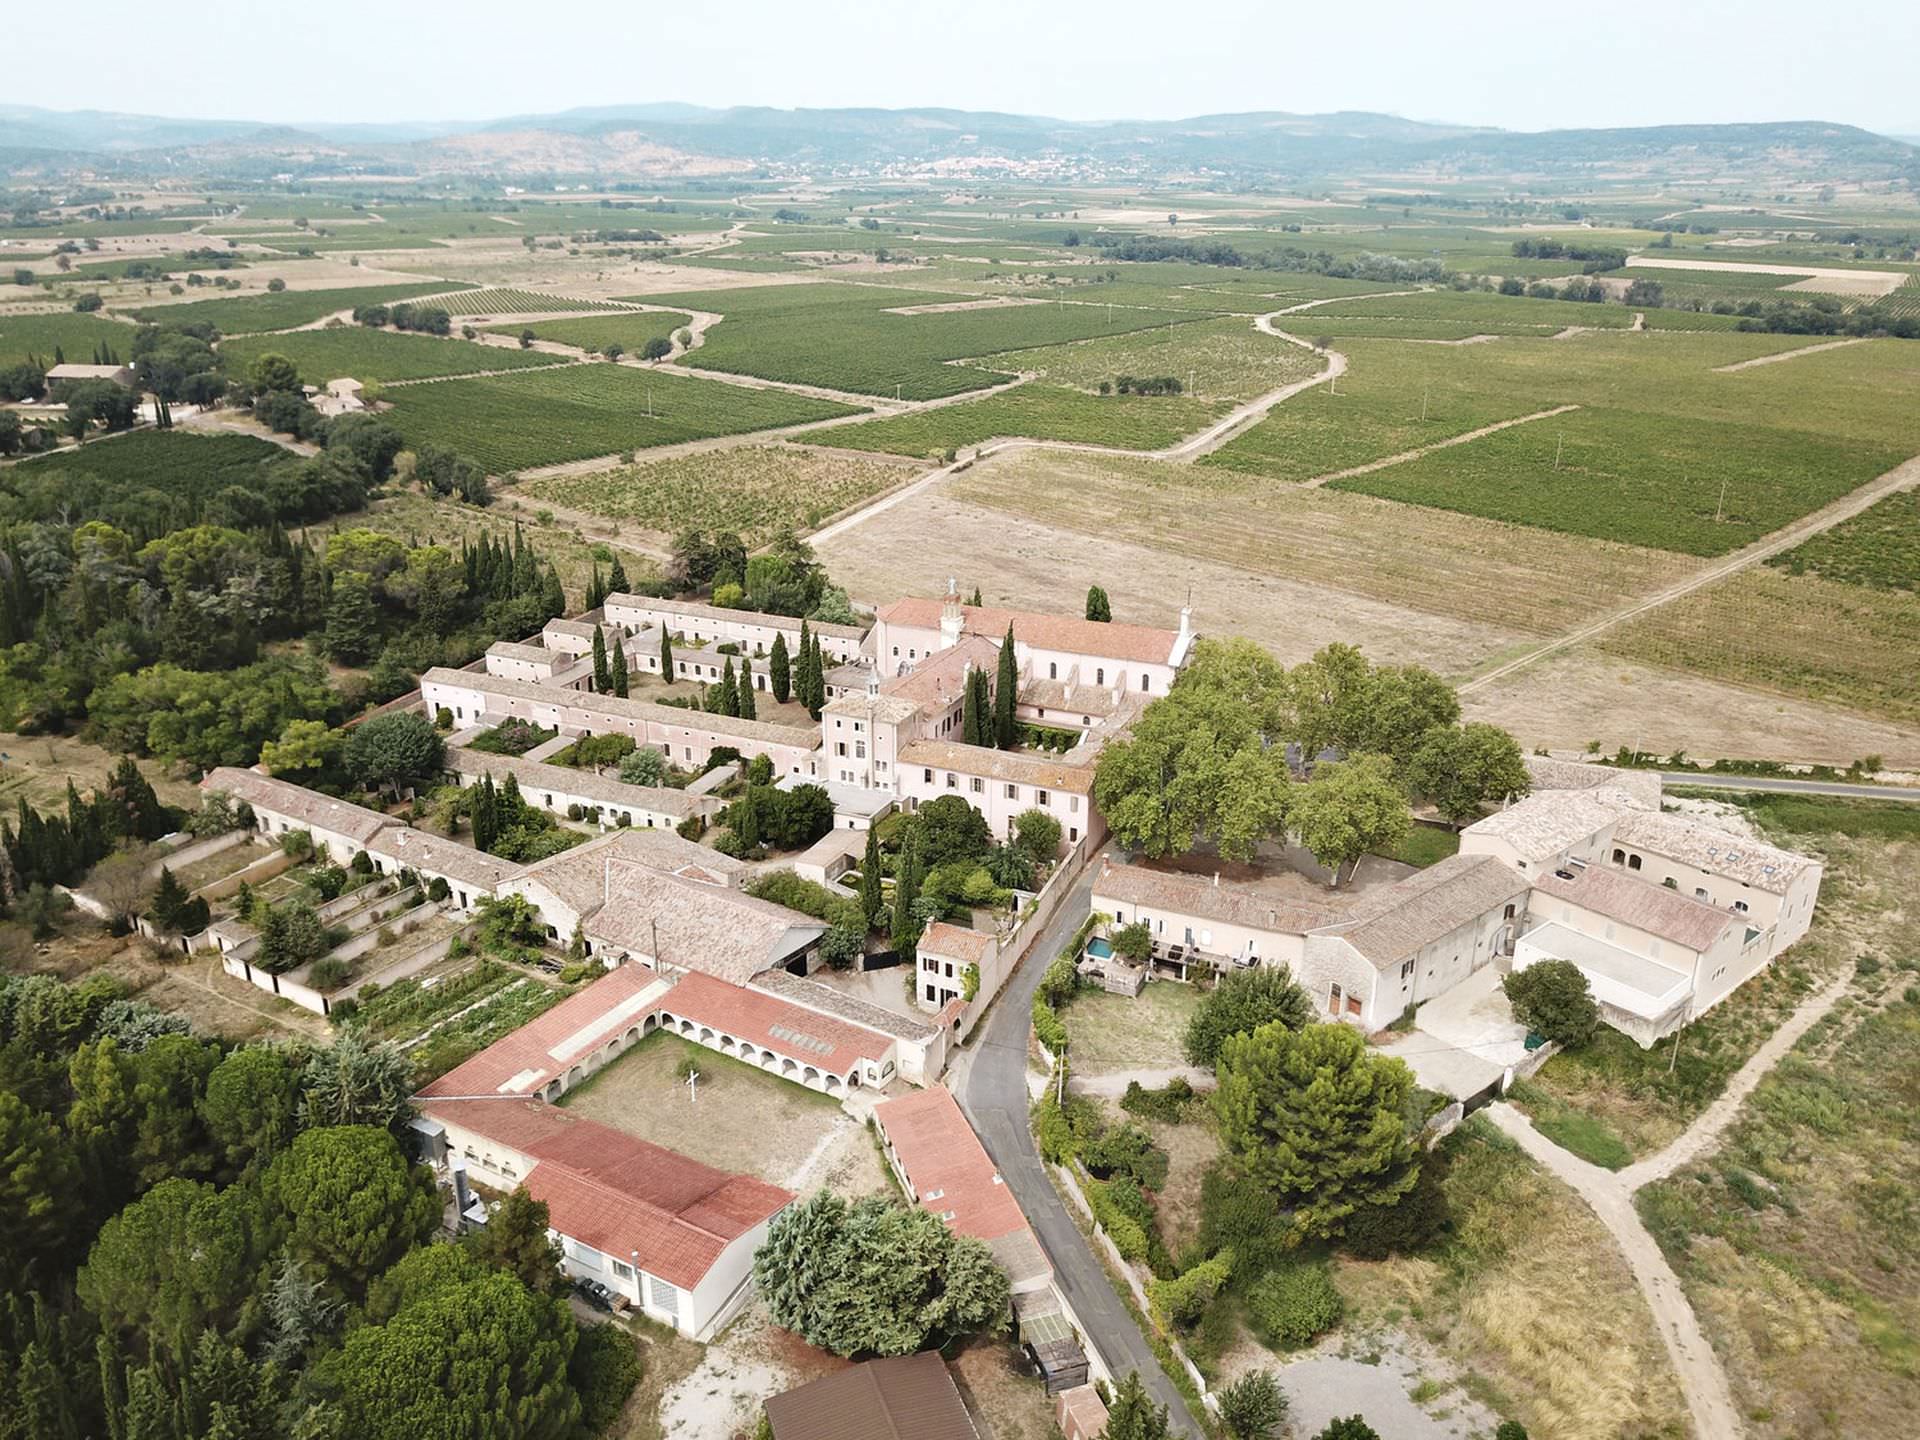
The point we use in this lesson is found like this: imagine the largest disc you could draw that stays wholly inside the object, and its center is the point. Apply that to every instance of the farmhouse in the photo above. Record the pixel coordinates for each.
(340, 830)
(674, 1237)
(121, 375)
(1000, 784)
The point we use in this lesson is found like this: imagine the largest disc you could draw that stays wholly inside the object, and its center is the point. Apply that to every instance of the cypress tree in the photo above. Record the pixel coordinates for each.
(729, 691)
(906, 889)
(802, 682)
(975, 601)
(596, 589)
(617, 667)
(970, 717)
(486, 820)
(779, 677)
(873, 902)
(553, 595)
(818, 671)
(617, 579)
(169, 901)
(666, 655)
(602, 677)
(749, 710)
(1098, 607)
(744, 820)
(1004, 691)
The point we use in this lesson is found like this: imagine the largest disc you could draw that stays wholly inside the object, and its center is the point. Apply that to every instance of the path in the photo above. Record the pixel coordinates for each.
(1705, 1132)
(1788, 355)
(1702, 1380)
(1902, 477)
(1406, 455)
(1773, 786)
(1114, 1084)
(994, 1096)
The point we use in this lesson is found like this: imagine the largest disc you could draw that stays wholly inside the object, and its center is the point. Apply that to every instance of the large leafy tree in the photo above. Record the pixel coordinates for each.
(1318, 1119)
(392, 751)
(515, 1239)
(250, 1106)
(1552, 998)
(354, 1205)
(1350, 809)
(181, 1259)
(1462, 768)
(1242, 1002)
(876, 1278)
(459, 1351)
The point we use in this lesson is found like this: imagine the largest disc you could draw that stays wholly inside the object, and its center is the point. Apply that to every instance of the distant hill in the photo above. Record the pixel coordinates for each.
(664, 140)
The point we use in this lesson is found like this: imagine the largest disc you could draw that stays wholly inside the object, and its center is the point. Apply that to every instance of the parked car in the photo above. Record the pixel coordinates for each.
(595, 1294)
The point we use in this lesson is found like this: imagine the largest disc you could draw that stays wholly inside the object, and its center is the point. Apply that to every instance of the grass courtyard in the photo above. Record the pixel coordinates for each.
(1111, 1032)
(742, 1119)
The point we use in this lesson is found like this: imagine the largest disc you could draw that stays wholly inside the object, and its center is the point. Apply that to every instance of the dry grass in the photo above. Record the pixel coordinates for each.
(744, 1119)
(1014, 1404)
(666, 1358)
(1802, 635)
(1111, 1032)
(37, 767)
(1532, 1299)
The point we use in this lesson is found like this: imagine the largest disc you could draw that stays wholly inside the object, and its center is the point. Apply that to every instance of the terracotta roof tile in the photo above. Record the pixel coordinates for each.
(831, 1045)
(999, 765)
(616, 708)
(947, 1164)
(1045, 632)
(904, 1397)
(1643, 904)
(296, 802)
(955, 942)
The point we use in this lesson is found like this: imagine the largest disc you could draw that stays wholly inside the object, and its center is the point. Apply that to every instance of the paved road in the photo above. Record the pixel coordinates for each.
(994, 1096)
(1792, 787)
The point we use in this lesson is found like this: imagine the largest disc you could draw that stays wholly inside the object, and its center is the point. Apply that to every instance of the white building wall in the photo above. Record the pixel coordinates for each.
(1000, 801)
(1330, 962)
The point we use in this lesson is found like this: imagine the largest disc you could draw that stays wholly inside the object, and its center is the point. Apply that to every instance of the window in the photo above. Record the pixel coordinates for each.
(623, 1270)
(953, 781)
(1040, 798)
(1333, 999)
(1633, 862)
(1073, 804)
(1053, 670)
(1406, 970)
(930, 996)
(665, 1297)
(926, 777)
(940, 1194)
(1146, 682)
(1013, 792)
(1740, 906)
(1619, 857)
(1073, 833)
(859, 749)
(980, 788)
(1100, 676)
(840, 748)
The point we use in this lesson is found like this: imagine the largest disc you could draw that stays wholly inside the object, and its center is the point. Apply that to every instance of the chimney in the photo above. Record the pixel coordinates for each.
(1186, 625)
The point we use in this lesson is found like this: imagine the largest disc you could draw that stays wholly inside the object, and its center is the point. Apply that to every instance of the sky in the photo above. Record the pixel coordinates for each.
(1520, 66)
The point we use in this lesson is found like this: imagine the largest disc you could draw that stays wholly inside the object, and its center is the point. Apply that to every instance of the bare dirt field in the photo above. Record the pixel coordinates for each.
(1858, 284)
(1566, 700)
(38, 767)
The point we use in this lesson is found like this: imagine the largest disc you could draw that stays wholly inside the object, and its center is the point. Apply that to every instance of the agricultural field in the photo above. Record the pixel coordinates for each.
(1035, 411)
(251, 314)
(163, 464)
(1800, 635)
(64, 331)
(377, 355)
(630, 329)
(578, 412)
(752, 490)
(497, 300)
(842, 336)
(1217, 359)
(1878, 548)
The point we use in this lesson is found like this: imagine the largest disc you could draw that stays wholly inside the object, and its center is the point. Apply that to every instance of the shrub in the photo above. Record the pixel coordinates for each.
(1181, 1301)
(328, 975)
(1128, 1235)
(1374, 1232)
(1243, 1001)
(297, 844)
(1239, 1214)
(1254, 1405)
(574, 811)
(1127, 1150)
(438, 889)
(1552, 999)
(1294, 1305)
(1510, 1430)
(1038, 834)
(1168, 1105)
(1060, 981)
(1133, 942)
(1047, 1027)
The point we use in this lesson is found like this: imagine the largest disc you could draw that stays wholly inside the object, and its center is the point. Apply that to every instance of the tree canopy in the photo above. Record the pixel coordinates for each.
(1241, 1002)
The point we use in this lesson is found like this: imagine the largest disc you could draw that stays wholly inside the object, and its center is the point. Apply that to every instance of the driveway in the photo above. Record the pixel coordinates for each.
(993, 1094)
(1464, 1040)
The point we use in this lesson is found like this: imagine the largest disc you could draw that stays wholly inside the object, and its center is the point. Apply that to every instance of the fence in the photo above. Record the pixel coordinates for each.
(292, 985)
(193, 853)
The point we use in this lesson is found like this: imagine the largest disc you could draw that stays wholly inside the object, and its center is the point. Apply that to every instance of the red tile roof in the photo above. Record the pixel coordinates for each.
(1042, 632)
(623, 1196)
(955, 942)
(829, 1045)
(940, 1153)
(521, 1063)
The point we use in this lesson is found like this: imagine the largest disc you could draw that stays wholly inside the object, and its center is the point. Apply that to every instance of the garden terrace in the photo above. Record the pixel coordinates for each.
(557, 787)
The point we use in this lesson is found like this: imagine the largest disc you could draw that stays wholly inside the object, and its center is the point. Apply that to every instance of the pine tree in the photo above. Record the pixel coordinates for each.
(617, 579)
(1133, 1415)
(975, 601)
(602, 676)
(617, 667)
(729, 691)
(749, 709)
(873, 900)
(169, 902)
(1004, 692)
(779, 677)
(1098, 607)
(666, 655)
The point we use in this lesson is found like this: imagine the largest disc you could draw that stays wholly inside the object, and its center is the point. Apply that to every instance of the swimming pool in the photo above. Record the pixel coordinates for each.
(1098, 948)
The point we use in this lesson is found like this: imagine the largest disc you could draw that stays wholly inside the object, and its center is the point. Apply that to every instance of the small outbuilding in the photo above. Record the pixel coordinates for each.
(879, 1400)
(121, 375)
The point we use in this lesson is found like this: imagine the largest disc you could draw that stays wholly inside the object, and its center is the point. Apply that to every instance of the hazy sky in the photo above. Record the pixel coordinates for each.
(1525, 66)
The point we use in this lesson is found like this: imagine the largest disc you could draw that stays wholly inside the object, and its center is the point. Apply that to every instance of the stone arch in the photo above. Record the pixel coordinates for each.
(810, 1078)
(834, 1085)
(768, 1060)
(706, 1036)
(789, 1069)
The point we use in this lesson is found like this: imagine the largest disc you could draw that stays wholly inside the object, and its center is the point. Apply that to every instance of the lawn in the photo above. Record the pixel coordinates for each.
(742, 1120)
(1571, 1129)
(630, 329)
(72, 334)
(1799, 1241)
(842, 336)
(1224, 359)
(1035, 411)
(1110, 1032)
(239, 315)
(753, 490)
(378, 355)
(1878, 548)
(578, 412)
(1424, 845)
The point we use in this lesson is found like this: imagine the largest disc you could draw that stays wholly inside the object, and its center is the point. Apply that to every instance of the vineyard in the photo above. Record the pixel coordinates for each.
(1223, 359)
(381, 355)
(484, 304)
(841, 336)
(76, 335)
(579, 412)
(630, 330)
(753, 490)
(249, 314)
(160, 465)
(1034, 411)
(1878, 548)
